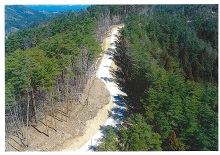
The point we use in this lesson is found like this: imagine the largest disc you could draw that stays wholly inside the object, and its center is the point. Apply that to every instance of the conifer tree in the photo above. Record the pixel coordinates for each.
(172, 143)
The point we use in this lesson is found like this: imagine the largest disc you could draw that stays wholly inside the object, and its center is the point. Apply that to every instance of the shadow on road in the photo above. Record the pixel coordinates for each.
(107, 79)
(110, 51)
(92, 148)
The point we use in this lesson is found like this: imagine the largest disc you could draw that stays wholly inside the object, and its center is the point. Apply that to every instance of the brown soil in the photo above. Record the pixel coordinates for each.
(72, 132)
(68, 128)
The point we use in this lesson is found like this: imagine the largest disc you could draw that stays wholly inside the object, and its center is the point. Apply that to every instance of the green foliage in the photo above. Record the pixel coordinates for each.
(169, 69)
(141, 137)
(186, 41)
(172, 143)
(69, 28)
(18, 70)
(30, 68)
(36, 58)
(137, 137)
(109, 141)
(170, 80)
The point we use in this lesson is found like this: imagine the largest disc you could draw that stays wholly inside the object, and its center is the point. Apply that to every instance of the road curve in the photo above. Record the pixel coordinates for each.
(119, 108)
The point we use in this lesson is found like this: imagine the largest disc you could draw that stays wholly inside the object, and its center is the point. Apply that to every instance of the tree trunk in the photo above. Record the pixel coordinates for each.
(59, 105)
(16, 115)
(27, 116)
(67, 108)
(45, 114)
(21, 118)
(34, 104)
(19, 93)
(18, 123)
(62, 77)
(52, 108)
(13, 119)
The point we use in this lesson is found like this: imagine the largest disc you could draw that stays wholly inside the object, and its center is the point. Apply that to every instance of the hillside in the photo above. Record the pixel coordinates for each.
(18, 17)
(168, 67)
(167, 64)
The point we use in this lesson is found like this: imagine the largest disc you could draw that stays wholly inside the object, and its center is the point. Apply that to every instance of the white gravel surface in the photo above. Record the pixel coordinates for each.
(119, 108)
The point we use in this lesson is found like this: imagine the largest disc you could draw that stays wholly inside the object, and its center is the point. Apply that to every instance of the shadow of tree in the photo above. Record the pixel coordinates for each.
(107, 79)
(110, 51)
(119, 110)
(40, 131)
(17, 142)
(119, 80)
(13, 147)
(92, 148)
(102, 129)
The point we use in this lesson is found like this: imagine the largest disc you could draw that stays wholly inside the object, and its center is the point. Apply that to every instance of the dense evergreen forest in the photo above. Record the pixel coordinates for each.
(168, 60)
(169, 68)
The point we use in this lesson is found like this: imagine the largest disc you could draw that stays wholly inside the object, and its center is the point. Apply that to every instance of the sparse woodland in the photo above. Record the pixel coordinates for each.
(168, 60)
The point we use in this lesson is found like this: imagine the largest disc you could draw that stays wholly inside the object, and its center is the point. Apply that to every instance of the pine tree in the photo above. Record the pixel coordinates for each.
(172, 143)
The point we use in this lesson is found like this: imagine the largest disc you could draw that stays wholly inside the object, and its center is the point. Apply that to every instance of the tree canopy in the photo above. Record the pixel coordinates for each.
(168, 60)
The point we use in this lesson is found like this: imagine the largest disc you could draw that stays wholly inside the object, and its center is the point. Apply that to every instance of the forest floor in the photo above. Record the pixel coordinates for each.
(70, 130)
(83, 121)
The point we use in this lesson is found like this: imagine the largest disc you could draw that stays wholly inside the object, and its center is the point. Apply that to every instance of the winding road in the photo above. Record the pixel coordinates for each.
(119, 108)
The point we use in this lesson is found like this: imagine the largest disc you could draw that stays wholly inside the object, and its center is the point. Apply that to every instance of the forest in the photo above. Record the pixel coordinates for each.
(46, 69)
(168, 60)
(169, 68)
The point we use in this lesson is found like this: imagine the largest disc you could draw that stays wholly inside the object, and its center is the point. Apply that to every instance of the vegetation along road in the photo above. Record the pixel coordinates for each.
(119, 108)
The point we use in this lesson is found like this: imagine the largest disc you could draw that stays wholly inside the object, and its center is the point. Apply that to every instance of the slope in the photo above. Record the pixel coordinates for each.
(18, 17)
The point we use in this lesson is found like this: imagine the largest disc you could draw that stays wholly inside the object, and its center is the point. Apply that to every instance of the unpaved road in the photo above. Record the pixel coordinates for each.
(119, 108)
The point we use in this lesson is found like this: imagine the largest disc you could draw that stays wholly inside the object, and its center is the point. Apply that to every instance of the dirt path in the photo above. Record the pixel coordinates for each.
(118, 109)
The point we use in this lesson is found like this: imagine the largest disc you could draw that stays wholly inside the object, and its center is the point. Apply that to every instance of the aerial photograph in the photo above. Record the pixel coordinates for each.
(111, 77)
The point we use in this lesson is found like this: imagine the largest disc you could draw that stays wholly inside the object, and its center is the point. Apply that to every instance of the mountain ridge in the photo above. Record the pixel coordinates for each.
(18, 17)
